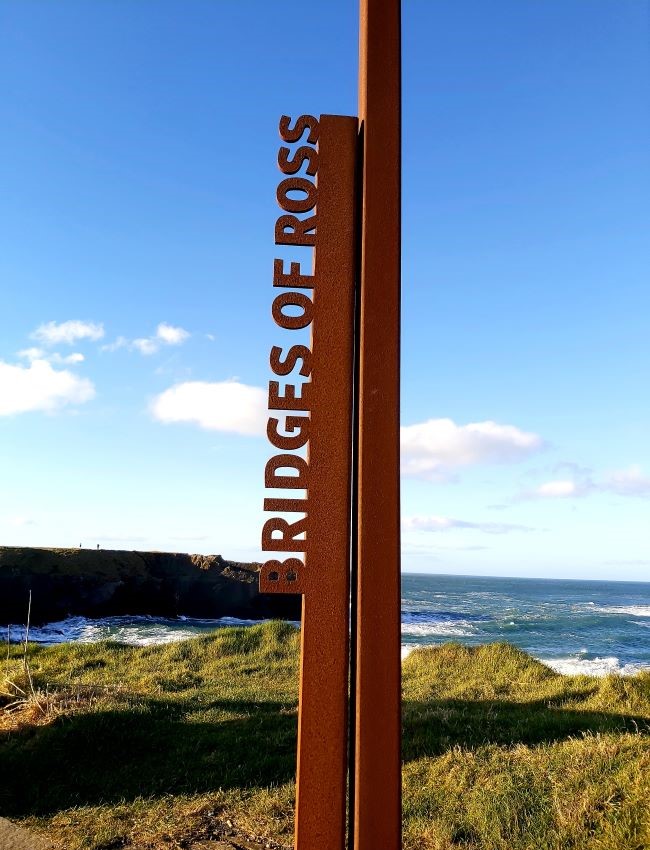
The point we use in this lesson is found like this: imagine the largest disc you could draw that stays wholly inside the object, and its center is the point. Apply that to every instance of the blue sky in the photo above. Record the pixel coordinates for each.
(137, 186)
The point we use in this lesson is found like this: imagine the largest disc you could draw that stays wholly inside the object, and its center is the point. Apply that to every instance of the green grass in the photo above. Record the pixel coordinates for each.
(155, 747)
(502, 753)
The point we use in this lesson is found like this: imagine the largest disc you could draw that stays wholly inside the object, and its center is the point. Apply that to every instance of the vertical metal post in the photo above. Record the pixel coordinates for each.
(324, 578)
(322, 734)
(356, 234)
(377, 785)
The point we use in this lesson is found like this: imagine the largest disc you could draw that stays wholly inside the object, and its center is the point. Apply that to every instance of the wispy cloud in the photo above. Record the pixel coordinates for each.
(444, 523)
(146, 345)
(171, 335)
(66, 333)
(40, 387)
(438, 551)
(627, 482)
(20, 521)
(165, 334)
(32, 354)
(434, 449)
(215, 406)
(120, 342)
(560, 489)
(621, 482)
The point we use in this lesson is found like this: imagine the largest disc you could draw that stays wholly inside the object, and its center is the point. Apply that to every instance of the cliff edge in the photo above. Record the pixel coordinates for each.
(106, 582)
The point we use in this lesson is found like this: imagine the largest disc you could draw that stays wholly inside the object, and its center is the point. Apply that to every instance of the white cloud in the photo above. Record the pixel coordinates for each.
(71, 359)
(443, 523)
(120, 342)
(66, 333)
(628, 482)
(171, 335)
(20, 521)
(622, 482)
(561, 489)
(145, 346)
(432, 449)
(32, 354)
(218, 406)
(40, 387)
(570, 481)
(165, 335)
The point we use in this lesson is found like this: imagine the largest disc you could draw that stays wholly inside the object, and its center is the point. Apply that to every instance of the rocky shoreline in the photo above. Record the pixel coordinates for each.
(102, 583)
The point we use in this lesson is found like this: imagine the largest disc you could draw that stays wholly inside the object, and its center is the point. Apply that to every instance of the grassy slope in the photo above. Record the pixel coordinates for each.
(152, 746)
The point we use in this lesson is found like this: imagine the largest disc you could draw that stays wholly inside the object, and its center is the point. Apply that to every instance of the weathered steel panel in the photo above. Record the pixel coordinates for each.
(377, 780)
(324, 576)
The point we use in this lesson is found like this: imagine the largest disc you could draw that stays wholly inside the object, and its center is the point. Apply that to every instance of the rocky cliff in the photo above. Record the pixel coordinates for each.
(83, 582)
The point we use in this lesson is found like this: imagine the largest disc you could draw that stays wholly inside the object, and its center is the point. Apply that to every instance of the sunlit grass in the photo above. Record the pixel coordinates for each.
(161, 746)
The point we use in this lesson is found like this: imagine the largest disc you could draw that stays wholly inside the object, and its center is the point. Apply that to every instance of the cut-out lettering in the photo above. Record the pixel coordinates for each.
(291, 230)
(288, 401)
(286, 366)
(303, 154)
(292, 299)
(293, 134)
(282, 576)
(288, 539)
(290, 441)
(289, 506)
(304, 188)
(295, 279)
(288, 482)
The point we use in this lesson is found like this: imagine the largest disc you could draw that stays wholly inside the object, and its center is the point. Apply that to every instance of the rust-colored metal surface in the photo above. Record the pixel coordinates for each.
(324, 575)
(377, 780)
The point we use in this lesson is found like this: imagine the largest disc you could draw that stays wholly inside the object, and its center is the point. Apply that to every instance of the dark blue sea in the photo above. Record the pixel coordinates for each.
(594, 627)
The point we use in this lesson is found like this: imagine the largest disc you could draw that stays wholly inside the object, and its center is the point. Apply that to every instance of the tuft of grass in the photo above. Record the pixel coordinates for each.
(503, 753)
(160, 747)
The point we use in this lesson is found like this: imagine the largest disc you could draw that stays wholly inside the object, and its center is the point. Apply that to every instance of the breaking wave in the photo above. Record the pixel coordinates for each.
(132, 630)
(438, 623)
(574, 666)
(630, 610)
(571, 666)
(457, 629)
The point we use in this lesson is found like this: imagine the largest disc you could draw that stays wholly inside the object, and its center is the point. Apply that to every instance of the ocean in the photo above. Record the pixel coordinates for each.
(594, 627)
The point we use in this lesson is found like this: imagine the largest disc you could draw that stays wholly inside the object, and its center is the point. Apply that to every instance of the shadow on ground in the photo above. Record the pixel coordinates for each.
(158, 748)
(154, 749)
(434, 726)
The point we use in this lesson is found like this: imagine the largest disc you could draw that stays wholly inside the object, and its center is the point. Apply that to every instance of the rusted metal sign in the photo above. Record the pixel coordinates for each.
(332, 484)
(377, 762)
(317, 418)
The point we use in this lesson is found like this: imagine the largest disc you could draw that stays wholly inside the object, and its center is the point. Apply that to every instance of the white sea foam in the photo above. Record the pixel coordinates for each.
(573, 666)
(633, 610)
(455, 628)
(407, 649)
(135, 631)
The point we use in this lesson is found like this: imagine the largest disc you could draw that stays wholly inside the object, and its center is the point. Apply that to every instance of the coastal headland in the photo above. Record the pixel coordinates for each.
(111, 582)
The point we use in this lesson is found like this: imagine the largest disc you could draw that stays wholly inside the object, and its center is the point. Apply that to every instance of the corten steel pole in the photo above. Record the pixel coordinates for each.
(377, 781)
(325, 581)
(322, 731)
